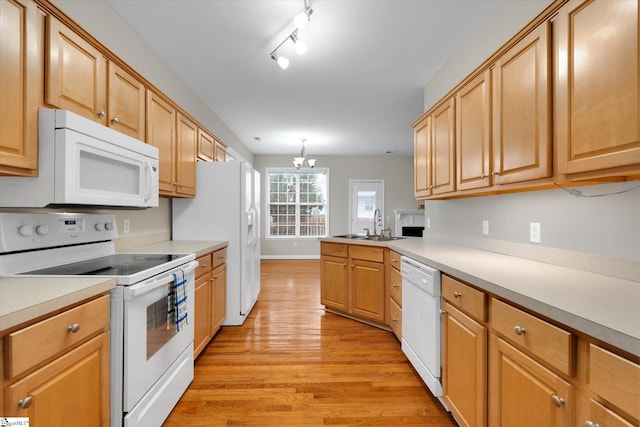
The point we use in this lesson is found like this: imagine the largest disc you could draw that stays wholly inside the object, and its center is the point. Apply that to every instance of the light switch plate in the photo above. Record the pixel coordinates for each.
(485, 227)
(535, 232)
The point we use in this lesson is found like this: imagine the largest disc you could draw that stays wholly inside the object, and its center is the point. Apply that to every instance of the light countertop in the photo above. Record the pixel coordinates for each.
(604, 307)
(181, 247)
(26, 298)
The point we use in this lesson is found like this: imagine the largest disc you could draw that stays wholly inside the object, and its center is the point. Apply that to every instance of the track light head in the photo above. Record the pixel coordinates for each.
(301, 46)
(301, 19)
(282, 61)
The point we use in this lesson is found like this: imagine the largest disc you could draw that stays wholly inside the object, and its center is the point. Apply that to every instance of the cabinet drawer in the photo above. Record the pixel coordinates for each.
(615, 379)
(334, 249)
(219, 257)
(394, 259)
(464, 297)
(553, 345)
(36, 343)
(395, 312)
(395, 286)
(367, 253)
(204, 265)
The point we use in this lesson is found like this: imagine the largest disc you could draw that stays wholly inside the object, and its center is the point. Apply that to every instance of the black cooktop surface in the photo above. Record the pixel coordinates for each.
(111, 265)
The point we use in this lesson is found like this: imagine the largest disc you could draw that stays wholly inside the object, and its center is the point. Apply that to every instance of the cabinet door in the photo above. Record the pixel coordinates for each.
(421, 154)
(333, 282)
(473, 144)
(127, 99)
(202, 315)
(221, 152)
(604, 417)
(21, 85)
(76, 73)
(366, 282)
(161, 133)
(598, 105)
(206, 146)
(219, 303)
(522, 110)
(443, 153)
(71, 390)
(523, 393)
(464, 367)
(186, 156)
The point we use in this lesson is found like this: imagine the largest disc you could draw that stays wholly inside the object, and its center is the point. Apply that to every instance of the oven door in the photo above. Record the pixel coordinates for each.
(151, 341)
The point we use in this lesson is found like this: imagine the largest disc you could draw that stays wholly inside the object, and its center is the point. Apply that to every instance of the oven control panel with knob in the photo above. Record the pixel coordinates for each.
(24, 231)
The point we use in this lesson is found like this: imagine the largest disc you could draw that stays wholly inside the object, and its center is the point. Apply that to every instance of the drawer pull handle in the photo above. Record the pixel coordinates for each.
(74, 328)
(457, 294)
(557, 400)
(519, 330)
(25, 403)
(591, 424)
(394, 319)
(395, 285)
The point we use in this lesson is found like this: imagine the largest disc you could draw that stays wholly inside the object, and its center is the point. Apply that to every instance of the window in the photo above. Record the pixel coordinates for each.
(297, 203)
(366, 197)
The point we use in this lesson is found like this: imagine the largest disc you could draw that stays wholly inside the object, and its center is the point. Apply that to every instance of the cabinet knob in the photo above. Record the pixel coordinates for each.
(101, 113)
(589, 423)
(495, 173)
(394, 319)
(519, 330)
(25, 403)
(352, 266)
(557, 400)
(115, 120)
(395, 285)
(74, 328)
(484, 176)
(457, 294)
(204, 265)
(175, 184)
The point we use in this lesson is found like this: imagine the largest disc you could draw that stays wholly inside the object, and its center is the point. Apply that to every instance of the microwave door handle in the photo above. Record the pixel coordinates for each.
(131, 292)
(147, 177)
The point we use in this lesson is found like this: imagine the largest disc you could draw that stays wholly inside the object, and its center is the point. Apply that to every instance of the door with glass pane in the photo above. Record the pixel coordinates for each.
(366, 205)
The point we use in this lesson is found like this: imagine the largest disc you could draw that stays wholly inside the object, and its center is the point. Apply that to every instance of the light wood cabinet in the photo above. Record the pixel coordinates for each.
(352, 279)
(76, 77)
(473, 133)
(464, 352)
(67, 380)
(161, 133)
(21, 85)
(395, 294)
(221, 152)
(521, 110)
(186, 146)
(127, 103)
(443, 153)
(421, 158)
(206, 146)
(597, 85)
(524, 393)
(210, 298)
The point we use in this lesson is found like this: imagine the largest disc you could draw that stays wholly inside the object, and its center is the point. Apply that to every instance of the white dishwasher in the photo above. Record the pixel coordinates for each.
(422, 322)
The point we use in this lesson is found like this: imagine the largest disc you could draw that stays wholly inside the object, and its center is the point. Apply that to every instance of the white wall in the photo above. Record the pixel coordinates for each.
(396, 171)
(597, 234)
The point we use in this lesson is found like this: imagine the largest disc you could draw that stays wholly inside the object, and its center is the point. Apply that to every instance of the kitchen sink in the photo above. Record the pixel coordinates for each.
(373, 237)
(352, 236)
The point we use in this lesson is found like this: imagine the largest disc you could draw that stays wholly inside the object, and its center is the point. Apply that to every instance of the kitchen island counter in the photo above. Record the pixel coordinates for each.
(23, 299)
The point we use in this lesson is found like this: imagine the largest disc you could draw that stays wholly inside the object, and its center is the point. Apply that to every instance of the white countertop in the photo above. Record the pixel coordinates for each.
(181, 247)
(26, 298)
(604, 307)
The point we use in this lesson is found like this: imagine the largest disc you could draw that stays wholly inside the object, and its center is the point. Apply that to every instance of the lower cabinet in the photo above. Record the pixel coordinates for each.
(395, 294)
(353, 281)
(58, 375)
(210, 298)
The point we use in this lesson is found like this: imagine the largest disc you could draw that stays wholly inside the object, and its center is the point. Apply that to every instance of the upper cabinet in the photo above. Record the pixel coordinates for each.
(522, 110)
(127, 103)
(209, 148)
(558, 103)
(161, 133)
(76, 77)
(21, 85)
(187, 141)
(597, 81)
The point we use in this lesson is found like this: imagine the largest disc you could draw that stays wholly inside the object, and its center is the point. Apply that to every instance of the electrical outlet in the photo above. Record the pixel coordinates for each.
(125, 226)
(535, 232)
(485, 227)
(428, 222)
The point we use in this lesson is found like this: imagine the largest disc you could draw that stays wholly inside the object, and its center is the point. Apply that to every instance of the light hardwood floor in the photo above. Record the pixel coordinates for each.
(292, 364)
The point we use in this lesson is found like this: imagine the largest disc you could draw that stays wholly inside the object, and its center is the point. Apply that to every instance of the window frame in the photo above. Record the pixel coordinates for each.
(267, 215)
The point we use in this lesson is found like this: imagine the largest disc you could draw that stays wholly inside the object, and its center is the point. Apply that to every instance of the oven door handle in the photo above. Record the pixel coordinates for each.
(131, 292)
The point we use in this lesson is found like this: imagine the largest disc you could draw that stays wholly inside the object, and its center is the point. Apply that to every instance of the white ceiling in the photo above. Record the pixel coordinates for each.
(358, 88)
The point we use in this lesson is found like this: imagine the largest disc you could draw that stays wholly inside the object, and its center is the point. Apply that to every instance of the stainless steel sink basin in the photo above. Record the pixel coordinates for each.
(373, 237)
(352, 236)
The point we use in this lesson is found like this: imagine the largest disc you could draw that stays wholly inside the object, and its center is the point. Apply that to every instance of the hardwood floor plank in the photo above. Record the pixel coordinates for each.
(292, 364)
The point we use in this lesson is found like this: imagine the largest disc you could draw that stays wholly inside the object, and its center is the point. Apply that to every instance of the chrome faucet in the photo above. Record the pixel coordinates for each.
(377, 216)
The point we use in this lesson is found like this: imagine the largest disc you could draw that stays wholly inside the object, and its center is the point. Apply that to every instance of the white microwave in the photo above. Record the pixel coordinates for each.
(81, 162)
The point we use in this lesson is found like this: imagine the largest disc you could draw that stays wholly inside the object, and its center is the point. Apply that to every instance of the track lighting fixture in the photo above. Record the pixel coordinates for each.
(300, 22)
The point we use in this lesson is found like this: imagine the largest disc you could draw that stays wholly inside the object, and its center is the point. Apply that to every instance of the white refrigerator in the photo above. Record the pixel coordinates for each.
(227, 207)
